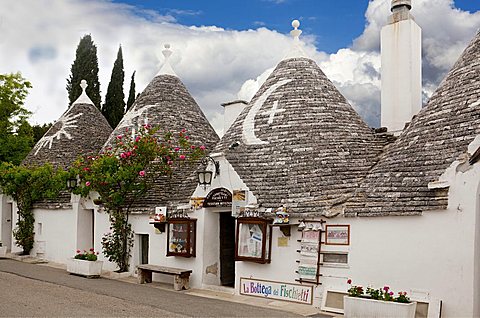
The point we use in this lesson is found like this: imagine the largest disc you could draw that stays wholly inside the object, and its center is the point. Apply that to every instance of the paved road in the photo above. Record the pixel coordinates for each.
(39, 291)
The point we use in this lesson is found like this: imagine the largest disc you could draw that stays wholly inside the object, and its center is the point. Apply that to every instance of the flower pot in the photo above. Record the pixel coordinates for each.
(81, 267)
(361, 307)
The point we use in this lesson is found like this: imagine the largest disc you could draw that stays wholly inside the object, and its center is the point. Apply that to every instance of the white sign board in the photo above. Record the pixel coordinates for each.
(276, 290)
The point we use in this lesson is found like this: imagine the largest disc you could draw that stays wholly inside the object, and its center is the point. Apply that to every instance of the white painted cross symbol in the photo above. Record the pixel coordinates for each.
(272, 112)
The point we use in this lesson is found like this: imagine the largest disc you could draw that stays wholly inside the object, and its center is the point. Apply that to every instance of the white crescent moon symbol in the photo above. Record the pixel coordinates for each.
(248, 135)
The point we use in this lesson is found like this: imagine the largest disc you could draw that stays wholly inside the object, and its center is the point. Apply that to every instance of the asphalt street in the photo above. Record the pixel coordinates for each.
(41, 291)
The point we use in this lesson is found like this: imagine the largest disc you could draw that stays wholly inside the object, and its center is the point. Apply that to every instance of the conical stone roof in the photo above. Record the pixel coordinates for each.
(301, 144)
(437, 136)
(166, 103)
(81, 130)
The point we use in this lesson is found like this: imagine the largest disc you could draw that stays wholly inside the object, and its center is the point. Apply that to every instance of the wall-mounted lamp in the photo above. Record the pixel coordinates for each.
(204, 176)
(71, 183)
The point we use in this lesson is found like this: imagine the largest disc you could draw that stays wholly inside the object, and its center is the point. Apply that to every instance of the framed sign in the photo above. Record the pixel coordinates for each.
(337, 235)
(219, 197)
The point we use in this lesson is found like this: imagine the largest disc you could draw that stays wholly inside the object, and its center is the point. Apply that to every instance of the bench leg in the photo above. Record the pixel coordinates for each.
(181, 282)
(144, 276)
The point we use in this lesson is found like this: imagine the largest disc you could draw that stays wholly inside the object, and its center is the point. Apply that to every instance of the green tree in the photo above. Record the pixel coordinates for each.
(114, 106)
(16, 136)
(85, 67)
(131, 92)
(39, 131)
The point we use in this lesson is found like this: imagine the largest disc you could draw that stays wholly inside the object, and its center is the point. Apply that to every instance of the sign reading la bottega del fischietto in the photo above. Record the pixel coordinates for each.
(276, 290)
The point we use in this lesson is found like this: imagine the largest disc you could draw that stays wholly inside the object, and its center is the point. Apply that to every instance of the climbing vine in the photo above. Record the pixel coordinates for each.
(124, 172)
(26, 185)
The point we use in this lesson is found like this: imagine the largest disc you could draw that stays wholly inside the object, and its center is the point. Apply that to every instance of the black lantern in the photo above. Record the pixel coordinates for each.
(205, 176)
(71, 183)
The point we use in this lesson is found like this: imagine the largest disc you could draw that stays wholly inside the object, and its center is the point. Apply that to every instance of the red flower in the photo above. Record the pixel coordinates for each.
(202, 147)
(91, 250)
(181, 157)
(349, 281)
(78, 251)
(386, 288)
(141, 173)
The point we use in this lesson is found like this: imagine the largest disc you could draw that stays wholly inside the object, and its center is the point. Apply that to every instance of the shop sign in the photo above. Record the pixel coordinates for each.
(276, 290)
(219, 197)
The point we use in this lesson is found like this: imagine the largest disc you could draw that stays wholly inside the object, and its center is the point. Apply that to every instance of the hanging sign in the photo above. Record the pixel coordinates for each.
(276, 290)
(219, 197)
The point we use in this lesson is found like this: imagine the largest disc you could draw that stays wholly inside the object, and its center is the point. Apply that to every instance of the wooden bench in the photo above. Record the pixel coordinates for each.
(180, 276)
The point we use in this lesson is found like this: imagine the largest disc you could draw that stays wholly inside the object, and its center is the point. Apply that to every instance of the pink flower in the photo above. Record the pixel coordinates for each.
(123, 155)
(119, 137)
(137, 139)
(202, 147)
(87, 183)
(169, 162)
(141, 173)
(176, 148)
(349, 281)
(91, 249)
(181, 157)
(186, 137)
(386, 288)
(78, 251)
(391, 293)
(192, 146)
(184, 130)
(129, 153)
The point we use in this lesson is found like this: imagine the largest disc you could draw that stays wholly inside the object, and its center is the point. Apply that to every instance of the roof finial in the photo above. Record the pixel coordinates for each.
(398, 4)
(296, 50)
(296, 32)
(167, 68)
(83, 98)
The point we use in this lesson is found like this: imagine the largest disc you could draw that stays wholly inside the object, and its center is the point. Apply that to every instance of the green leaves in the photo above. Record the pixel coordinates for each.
(27, 185)
(16, 135)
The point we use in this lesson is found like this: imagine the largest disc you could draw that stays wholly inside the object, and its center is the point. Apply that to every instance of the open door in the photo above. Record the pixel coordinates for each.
(227, 249)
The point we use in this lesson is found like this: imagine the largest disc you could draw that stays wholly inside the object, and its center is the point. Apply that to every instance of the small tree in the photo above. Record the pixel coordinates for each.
(85, 67)
(114, 106)
(16, 137)
(131, 92)
(123, 173)
(26, 185)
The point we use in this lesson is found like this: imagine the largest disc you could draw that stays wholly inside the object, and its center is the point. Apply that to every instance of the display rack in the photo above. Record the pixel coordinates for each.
(309, 252)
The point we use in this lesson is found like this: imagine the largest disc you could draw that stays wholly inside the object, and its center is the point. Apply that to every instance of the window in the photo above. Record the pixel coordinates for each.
(254, 240)
(181, 237)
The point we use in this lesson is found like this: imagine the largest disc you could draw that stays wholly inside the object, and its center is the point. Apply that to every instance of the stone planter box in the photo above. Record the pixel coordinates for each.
(362, 307)
(3, 251)
(88, 269)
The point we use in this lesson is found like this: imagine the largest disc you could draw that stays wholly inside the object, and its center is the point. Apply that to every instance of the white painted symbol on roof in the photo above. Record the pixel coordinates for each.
(272, 112)
(66, 121)
(477, 103)
(249, 137)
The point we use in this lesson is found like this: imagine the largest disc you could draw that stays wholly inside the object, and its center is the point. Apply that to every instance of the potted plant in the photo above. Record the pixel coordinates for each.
(377, 303)
(85, 264)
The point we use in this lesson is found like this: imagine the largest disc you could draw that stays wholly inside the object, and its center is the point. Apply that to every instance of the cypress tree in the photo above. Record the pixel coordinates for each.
(85, 67)
(114, 106)
(131, 92)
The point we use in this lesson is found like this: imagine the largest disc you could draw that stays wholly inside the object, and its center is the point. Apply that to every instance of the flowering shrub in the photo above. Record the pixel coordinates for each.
(124, 172)
(90, 255)
(384, 293)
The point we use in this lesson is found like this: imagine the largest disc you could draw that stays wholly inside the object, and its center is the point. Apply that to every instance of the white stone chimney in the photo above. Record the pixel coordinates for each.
(401, 50)
(231, 112)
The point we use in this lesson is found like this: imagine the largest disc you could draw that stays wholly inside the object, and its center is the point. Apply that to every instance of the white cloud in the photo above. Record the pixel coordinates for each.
(214, 63)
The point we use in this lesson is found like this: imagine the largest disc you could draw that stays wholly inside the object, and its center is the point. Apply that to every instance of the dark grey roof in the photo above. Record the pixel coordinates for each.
(168, 105)
(81, 130)
(438, 135)
(312, 153)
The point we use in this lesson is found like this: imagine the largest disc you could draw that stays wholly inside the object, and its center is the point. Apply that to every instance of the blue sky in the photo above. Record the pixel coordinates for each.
(222, 50)
(334, 23)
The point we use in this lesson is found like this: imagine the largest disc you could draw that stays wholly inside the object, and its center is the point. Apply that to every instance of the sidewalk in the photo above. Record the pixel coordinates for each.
(211, 292)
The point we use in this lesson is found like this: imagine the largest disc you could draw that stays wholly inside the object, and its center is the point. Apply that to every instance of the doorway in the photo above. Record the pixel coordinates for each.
(86, 230)
(143, 252)
(227, 249)
(6, 224)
